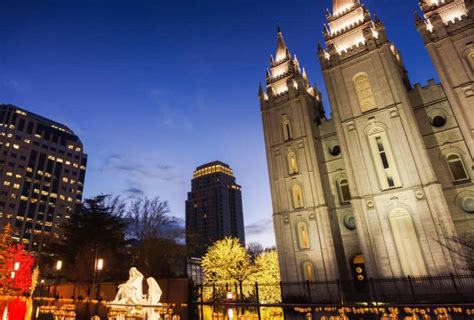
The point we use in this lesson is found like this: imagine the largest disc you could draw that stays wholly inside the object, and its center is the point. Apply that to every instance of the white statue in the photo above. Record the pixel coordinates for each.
(131, 292)
(154, 292)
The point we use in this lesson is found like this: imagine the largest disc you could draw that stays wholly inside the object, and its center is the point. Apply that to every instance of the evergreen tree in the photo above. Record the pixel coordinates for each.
(97, 230)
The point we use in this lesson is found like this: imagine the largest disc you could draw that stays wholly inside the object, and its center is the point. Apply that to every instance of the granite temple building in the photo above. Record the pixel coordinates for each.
(384, 181)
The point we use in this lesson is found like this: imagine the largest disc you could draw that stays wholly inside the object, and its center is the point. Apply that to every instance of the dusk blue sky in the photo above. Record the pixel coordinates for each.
(156, 88)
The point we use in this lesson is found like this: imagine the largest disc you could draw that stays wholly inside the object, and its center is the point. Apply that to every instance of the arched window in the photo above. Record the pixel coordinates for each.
(384, 160)
(457, 168)
(407, 243)
(364, 92)
(343, 191)
(308, 272)
(297, 196)
(287, 129)
(470, 59)
(303, 236)
(292, 163)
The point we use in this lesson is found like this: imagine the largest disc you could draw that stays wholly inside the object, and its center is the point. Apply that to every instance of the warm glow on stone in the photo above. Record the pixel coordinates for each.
(346, 42)
(347, 21)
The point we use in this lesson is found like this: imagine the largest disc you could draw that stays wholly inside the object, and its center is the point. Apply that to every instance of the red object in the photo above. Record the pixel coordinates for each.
(16, 309)
(21, 281)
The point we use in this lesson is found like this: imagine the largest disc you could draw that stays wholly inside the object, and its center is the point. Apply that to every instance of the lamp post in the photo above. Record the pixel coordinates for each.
(59, 266)
(99, 266)
(230, 311)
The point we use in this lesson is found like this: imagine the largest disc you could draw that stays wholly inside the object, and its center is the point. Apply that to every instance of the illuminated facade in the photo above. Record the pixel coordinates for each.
(42, 171)
(389, 176)
(214, 208)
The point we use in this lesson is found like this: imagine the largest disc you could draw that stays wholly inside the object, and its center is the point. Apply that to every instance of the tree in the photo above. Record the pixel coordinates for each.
(97, 230)
(158, 250)
(149, 219)
(6, 256)
(254, 249)
(24, 261)
(227, 261)
(463, 247)
(267, 275)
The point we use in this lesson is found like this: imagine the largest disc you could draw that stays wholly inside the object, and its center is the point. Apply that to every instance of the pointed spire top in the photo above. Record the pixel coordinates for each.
(340, 6)
(282, 50)
(278, 28)
(305, 76)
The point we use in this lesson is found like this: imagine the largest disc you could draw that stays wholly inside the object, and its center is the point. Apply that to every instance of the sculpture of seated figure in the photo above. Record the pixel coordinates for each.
(130, 292)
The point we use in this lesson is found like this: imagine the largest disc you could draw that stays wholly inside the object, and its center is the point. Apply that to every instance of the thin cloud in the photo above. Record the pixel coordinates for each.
(135, 192)
(259, 227)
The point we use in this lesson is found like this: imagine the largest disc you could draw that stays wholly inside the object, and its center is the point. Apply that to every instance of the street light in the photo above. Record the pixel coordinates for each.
(230, 311)
(100, 264)
(59, 266)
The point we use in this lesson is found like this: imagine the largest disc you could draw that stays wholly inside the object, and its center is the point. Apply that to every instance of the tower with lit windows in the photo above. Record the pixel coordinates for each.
(213, 208)
(388, 177)
(42, 172)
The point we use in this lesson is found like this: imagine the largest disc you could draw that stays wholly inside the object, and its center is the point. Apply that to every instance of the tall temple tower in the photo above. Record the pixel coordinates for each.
(291, 111)
(398, 203)
(448, 32)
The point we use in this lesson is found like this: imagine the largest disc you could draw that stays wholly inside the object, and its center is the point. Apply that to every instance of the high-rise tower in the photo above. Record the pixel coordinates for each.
(448, 32)
(214, 208)
(291, 110)
(399, 206)
(42, 172)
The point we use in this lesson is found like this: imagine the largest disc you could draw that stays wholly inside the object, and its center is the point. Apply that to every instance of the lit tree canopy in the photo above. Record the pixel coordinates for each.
(16, 265)
(227, 261)
(21, 282)
(268, 276)
(6, 256)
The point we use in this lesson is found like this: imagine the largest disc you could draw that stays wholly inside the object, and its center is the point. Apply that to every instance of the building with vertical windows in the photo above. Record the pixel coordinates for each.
(213, 208)
(388, 177)
(42, 172)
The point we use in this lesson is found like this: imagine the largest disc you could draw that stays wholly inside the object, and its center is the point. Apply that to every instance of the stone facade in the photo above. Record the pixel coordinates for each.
(389, 176)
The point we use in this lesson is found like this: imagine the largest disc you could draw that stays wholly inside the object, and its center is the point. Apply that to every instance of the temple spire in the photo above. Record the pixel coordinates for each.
(282, 49)
(340, 6)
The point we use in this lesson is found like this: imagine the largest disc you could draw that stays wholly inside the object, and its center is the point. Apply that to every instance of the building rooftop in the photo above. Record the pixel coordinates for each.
(211, 168)
(45, 121)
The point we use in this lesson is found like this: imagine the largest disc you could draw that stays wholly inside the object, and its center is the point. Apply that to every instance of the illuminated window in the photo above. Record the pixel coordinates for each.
(297, 196)
(6, 183)
(343, 191)
(287, 130)
(292, 163)
(457, 168)
(384, 159)
(303, 235)
(407, 243)
(308, 271)
(364, 92)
